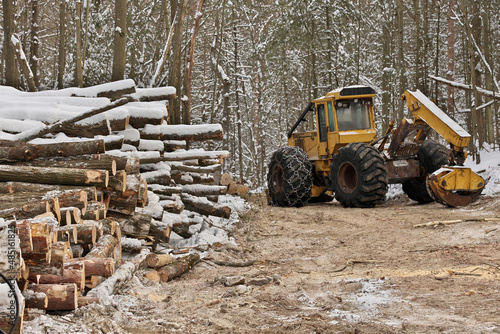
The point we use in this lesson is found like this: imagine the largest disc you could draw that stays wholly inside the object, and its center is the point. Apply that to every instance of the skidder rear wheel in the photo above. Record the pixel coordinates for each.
(289, 178)
(432, 156)
(359, 176)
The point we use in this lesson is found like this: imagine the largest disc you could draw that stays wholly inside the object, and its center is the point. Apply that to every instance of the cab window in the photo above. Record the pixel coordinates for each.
(331, 120)
(322, 122)
(353, 114)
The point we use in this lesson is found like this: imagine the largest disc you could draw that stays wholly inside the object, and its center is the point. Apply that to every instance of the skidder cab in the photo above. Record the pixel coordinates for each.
(341, 156)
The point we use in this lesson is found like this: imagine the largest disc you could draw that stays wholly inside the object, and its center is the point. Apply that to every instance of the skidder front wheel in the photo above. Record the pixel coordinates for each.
(359, 176)
(432, 156)
(289, 178)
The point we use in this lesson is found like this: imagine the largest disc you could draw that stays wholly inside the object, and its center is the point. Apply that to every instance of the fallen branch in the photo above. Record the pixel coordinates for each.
(57, 127)
(482, 91)
(457, 221)
(235, 264)
(178, 267)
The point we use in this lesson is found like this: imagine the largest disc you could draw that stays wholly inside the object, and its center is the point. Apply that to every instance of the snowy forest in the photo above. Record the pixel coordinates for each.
(253, 65)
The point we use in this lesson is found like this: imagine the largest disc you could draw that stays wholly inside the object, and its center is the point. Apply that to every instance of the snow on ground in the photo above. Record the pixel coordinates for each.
(489, 169)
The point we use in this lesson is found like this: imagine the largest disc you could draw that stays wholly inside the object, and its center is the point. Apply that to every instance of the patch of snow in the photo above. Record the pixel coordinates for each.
(489, 169)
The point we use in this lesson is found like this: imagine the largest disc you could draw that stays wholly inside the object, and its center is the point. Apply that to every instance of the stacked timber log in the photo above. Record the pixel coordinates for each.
(88, 173)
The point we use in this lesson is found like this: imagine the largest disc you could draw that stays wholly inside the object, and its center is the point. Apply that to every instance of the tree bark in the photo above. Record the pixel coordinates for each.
(61, 297)
(136, 225)
(160, 231)
(56, 127)
(62, 47)
(120, 40)
(9, 51)
(95, 266)
(74, 272)
(63, 176)
(186, 117)
(205, 207)
(104, 247)
(159, 260)
(37, 300)
(174, 78)
(179, 267)
(78, 80)
(451, 56)
(104, 163)
(23, 63)
(20, 151)
(182, 132)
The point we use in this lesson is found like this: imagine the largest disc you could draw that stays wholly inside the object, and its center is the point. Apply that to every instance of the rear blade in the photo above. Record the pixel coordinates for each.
(455, 186)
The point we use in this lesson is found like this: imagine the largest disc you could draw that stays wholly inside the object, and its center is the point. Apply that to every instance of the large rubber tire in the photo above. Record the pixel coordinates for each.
(289, 178)
(359, 176)
(432, 156)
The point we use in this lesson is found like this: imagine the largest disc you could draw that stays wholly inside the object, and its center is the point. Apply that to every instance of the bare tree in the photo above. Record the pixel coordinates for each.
(62, 41)
(9, 51)
(186, 117)
(120, 40)
(78, 52)
(34, 42)
(174, 77)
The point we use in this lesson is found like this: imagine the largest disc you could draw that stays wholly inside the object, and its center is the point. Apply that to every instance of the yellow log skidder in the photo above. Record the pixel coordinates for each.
(343, 157)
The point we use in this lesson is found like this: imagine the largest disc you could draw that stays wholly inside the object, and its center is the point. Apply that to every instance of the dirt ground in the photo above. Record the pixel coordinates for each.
(324, 269)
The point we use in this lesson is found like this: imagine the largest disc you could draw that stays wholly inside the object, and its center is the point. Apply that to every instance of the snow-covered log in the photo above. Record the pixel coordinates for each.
(56, 127)
(174, 145)
(85, 162)
(151, 145)
(157, 177)
(18, 151)
(192, 178)
(183, 132)
(131, 136)
(135, 225)
(154, 94)
(205, 207)
(131, 245)
(142, 113)
(160, 231)
(119, 278)
(112, 90)
(62, 176)
(196, 169)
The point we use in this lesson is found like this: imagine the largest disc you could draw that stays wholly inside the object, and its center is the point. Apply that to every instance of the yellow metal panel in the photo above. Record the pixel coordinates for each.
(424, 109)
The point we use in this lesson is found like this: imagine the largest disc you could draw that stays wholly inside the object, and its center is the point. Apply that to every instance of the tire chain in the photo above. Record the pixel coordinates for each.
(295, 196)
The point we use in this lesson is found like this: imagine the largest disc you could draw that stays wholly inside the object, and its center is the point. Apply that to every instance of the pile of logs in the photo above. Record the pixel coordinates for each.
(88, 173)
